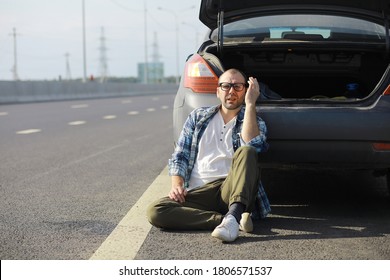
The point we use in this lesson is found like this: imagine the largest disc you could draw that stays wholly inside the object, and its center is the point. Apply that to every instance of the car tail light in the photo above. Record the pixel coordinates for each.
(387, 91)
(199, 77)
(381, 146)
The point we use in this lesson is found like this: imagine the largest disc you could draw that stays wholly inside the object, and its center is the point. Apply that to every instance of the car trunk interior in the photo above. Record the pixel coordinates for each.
(329, 74)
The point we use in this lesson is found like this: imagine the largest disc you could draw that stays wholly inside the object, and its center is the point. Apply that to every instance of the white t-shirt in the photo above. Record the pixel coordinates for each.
(215, 152)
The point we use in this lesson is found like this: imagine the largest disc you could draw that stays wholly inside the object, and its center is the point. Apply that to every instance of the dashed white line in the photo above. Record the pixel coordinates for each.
(127, 101)
(79, 106)
(29, 131)
(77, 123)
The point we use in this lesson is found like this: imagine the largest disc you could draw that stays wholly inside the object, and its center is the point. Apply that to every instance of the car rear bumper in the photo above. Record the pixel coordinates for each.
(290, 154)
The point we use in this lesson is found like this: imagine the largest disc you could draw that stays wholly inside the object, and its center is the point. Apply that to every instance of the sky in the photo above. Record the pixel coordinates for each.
(47, 30)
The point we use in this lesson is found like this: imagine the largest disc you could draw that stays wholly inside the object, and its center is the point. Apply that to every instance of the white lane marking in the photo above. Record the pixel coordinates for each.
(29, 131)
(127, 101)
(132, 113)
(151, 109)
(156, 98)
(361, 229)
(77, 123)
(164, 107)
(127, 238)
(3, 113)
(109, 117)
(79, 106)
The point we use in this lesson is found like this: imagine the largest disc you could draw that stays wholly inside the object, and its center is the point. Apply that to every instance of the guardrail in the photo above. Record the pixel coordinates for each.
(38, 91)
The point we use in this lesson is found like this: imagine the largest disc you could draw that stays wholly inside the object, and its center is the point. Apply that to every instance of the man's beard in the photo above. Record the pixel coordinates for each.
(232, 106)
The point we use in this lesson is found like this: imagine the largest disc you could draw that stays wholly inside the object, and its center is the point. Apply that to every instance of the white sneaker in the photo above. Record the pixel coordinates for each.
(246, 223)
(228, 230)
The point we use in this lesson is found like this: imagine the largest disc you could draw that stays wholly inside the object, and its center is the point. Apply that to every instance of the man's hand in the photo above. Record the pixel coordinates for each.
(178, 192)
(250, 127)
(253, 92)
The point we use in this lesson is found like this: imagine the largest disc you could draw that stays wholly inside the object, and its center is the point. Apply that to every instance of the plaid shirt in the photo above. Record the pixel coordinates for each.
(184, 156)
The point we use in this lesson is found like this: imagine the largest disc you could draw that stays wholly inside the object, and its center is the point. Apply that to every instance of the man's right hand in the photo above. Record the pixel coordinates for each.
(178, 192)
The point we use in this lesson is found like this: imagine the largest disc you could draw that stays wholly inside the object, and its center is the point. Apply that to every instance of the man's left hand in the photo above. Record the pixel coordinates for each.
(253, 92)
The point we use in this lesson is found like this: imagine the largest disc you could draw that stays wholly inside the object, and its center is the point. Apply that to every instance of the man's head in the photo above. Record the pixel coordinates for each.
(231, 89)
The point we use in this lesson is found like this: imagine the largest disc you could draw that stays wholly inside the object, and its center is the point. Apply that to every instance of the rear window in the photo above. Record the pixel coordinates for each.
(303, 27)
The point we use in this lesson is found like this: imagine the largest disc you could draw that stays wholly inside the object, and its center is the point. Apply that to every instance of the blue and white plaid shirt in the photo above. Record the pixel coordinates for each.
(184, 156)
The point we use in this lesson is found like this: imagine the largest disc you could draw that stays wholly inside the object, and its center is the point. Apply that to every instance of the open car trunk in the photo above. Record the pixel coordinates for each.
(322, 74)
(308, 50)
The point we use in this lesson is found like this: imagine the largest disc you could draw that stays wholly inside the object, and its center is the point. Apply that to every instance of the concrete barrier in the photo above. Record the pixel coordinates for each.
(38, 91)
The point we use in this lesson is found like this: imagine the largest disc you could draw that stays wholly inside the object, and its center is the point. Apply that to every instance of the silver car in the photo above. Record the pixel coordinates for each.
(324, 72)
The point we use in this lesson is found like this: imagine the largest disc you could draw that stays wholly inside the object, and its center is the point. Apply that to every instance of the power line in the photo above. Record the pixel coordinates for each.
(155, 55)
(15, 66)
(68, 75)
(103, 57)
(124, 7)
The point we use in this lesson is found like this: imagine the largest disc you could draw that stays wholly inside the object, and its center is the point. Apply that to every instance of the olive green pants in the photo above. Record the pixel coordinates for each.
(205, 206)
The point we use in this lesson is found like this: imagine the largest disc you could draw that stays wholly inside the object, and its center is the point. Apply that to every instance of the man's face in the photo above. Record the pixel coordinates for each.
(231, 99)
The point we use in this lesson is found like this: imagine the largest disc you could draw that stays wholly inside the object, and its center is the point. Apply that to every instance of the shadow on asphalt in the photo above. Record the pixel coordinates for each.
(315, 215)
(325, 204)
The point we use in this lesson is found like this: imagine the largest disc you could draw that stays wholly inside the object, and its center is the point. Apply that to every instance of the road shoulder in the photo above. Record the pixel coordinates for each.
(128, 236)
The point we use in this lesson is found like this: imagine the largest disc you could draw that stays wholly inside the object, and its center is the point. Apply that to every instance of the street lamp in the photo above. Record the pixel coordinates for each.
(177, 37)
(177, 40)
(84, 44)
(196, 32)
(146, 66)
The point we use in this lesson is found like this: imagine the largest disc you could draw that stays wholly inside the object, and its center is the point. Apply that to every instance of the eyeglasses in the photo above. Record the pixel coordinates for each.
(228, 86)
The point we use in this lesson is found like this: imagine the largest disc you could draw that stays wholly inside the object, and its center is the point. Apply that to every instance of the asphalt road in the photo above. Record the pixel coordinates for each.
(69, 171)
(315, 216)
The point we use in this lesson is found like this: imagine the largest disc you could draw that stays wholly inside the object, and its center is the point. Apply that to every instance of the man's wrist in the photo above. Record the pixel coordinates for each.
(250, 106)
